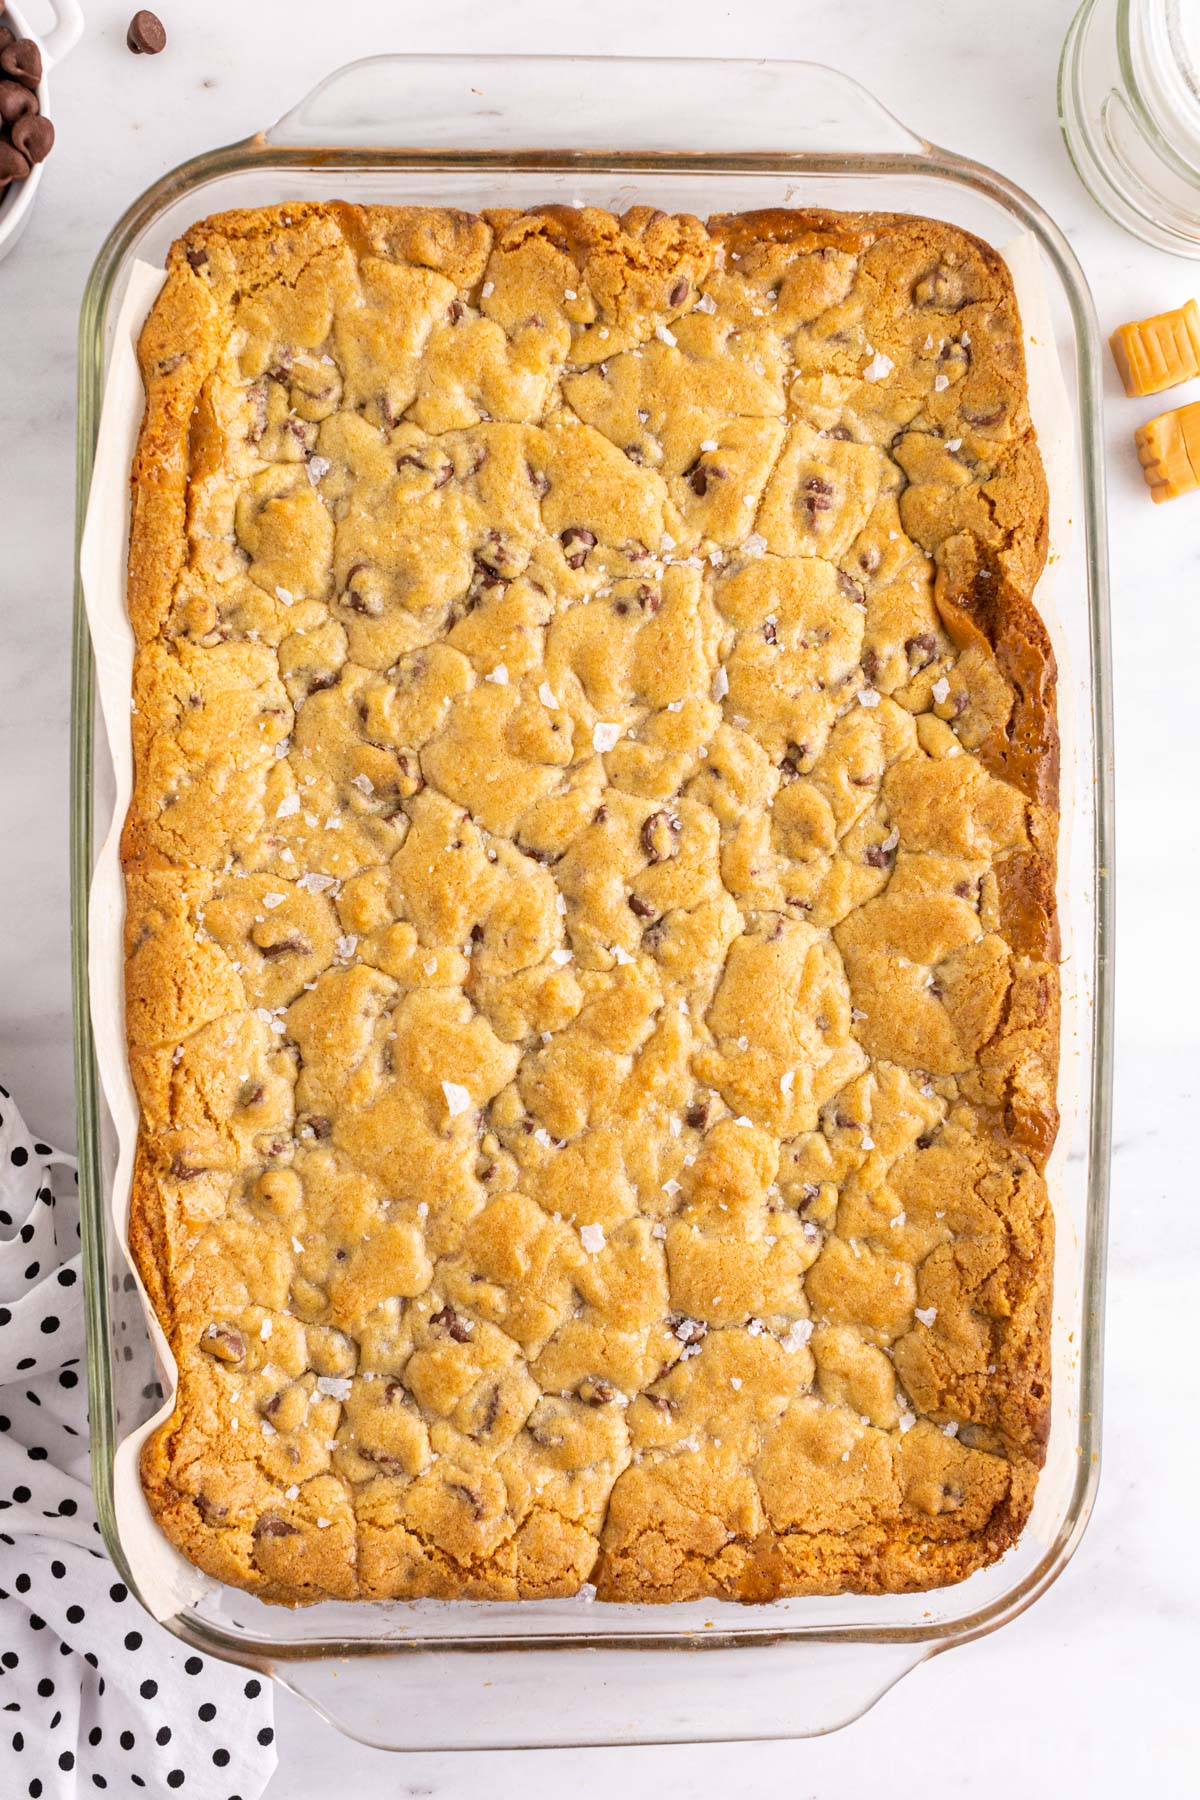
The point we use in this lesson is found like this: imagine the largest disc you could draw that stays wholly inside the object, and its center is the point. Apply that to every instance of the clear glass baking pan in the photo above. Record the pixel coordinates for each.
(702, 137)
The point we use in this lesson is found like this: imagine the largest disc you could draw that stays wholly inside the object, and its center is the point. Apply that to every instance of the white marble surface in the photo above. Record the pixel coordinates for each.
(1091, 1686)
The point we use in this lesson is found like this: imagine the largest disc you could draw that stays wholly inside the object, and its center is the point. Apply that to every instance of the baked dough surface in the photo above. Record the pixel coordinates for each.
(591, 980)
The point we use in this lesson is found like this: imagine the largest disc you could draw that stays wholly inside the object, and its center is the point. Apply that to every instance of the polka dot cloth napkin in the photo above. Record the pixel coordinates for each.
(94, 1695)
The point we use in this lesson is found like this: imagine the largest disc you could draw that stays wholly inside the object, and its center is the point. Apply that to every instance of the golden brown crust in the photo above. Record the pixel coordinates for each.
(591, 939)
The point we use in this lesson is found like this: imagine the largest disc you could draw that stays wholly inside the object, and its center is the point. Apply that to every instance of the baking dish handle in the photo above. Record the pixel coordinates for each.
(64, 34)
(689, 106)
(481, 1700)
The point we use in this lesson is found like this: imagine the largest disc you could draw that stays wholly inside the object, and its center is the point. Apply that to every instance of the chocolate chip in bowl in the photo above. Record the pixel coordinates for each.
(26, 135)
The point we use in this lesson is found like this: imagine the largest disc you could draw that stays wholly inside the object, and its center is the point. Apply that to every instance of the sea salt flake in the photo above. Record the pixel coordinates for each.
(487, 290)
(291, 1493)
(289, 805)
(879, 367)
(622, 956)
(284, 596)
(586, 1591)
(797, 1335)
(547, 696)
(338, 1387)
(318, 468)
(560, 905)
(868, 697)
(708, 444)
(670, 1187)
(323, 1524)
(926, 1314)
(905, 1422)
(950, 1430)
(953, 444)
(658, 1231)
(499, 675)
(940, 382)
(755, 544)
(346, 946)
(297, 1246)
(592, 1238)
(542, 1137)
(941, 690)
(569, 294)
(735, 1382)
(268, 1430)
(787, 1081)
(312, 883)
(430, 966)
(720, 683)
(562, 957)
(665, 335)
(605, 737)
(891, 840)
(457, 1098)
(706, 304)
(265, 1329)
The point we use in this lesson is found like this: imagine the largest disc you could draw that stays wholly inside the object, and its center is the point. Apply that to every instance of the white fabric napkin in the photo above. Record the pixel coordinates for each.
(94, 1695)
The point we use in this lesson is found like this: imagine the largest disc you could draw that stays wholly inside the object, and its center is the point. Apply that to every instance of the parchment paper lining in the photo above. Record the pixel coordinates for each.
(166, 1580)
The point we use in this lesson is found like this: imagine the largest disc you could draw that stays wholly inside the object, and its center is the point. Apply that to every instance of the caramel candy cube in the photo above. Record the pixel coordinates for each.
(1169, 452)
(1158, 353)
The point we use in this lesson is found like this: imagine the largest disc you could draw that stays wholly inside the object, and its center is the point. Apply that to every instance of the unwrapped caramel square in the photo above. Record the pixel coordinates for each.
(1153, 354)
(1169, 452)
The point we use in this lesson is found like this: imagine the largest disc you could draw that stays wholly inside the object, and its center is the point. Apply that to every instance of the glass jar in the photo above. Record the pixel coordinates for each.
(1129, 107)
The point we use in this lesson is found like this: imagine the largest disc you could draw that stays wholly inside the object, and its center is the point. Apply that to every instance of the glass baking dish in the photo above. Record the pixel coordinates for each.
(703, 137)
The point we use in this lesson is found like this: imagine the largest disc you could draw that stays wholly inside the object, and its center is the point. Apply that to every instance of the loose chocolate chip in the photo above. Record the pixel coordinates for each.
(13, 166)
(922, 648)
(183, 1170)
(769, 632)
(679, 292)
(697, 1114)
(642, 908)
(576, 541)
(15, 101)
(146, 35)
(22, 61)
(876, 857)
(197, 259)
(849, 586)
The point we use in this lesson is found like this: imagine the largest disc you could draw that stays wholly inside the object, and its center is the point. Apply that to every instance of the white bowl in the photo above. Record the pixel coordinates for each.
(16, 202)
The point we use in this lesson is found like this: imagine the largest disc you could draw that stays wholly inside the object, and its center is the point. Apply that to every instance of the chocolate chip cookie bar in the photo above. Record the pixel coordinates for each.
(592, 969)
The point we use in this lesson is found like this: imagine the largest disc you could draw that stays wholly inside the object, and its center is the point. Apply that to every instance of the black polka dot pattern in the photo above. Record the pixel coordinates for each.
(95, 1697)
